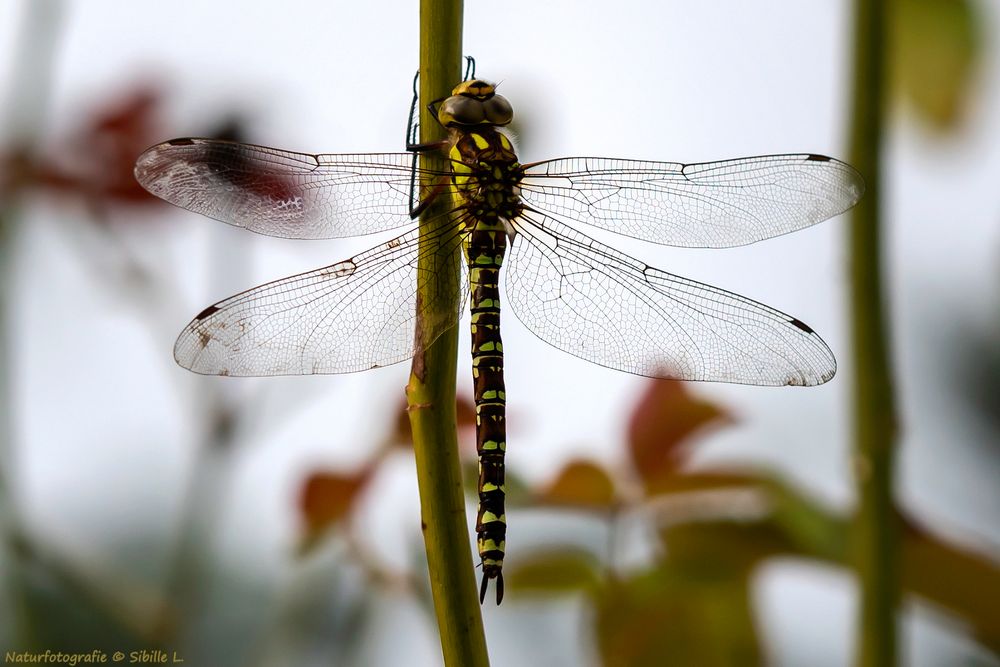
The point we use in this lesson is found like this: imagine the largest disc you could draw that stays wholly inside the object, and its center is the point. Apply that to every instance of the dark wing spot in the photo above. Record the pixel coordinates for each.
(341, 270)
(204, 338)
(817, 158)
(344, 269)
(801, 325)
(181, 142)
(208, 312)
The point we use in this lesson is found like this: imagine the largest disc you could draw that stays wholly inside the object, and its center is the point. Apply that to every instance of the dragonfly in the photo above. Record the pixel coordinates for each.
(500, 216)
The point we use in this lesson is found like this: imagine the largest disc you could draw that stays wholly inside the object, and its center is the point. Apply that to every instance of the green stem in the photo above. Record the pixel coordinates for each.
(431, 389)
(876, 529)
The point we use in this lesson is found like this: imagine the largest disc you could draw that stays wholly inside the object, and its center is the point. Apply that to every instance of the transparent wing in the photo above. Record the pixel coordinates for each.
(281, 193)
(351, 316)
(708, 205)
(603, 306)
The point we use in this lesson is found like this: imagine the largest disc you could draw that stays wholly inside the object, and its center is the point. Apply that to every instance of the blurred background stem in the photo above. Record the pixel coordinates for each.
(23, 126)
(876, 530)
(431, 389)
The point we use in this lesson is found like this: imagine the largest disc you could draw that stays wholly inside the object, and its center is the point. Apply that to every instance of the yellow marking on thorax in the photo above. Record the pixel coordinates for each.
(480, 140)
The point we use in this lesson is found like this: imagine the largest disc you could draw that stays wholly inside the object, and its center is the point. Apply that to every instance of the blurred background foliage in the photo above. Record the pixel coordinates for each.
(704, 530)
(936, 50)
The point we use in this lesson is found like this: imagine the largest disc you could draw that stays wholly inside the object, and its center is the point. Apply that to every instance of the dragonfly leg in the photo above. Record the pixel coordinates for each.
(427, 148)
(412, 124)
(426, 201)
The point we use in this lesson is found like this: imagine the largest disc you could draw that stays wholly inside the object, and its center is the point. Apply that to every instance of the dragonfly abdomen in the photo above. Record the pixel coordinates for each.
(485, 248)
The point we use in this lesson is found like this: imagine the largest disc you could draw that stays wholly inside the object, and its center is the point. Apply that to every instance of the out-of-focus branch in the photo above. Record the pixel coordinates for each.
(26, 101)
(876, 531)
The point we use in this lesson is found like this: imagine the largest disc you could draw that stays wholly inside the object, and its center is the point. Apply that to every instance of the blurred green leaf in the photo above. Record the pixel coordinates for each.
(692, 607)
(962, 582)
(937, 46)
(565, 570)
(78, 604)
(661, 426)
(809, 527)
(703, 480)
(709, 550)
(667, 617)
(581, 484)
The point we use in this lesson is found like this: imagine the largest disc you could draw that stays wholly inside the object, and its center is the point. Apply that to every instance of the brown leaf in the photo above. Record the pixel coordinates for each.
(402, 434)
(327, 497)
(580, 484)
(962, 581)
(662, 426)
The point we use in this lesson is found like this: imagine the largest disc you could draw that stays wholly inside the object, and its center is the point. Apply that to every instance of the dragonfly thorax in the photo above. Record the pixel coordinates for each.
(475, 102)
(486, 174)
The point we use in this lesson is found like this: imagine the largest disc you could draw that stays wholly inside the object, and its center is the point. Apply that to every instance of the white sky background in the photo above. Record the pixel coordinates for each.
(102, 445)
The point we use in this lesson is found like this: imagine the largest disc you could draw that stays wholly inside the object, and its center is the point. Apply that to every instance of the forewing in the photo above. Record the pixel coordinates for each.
(281, 193)
(351, 316)
(603, 306)
(707, 205)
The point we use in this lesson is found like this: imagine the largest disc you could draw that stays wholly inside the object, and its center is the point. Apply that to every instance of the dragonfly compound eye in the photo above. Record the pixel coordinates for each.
(461, 110)
(498, 110)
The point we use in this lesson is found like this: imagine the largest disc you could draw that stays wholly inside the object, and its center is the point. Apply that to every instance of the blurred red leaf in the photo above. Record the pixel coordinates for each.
(466, 413)
(402, 435)
(97, 162)
(581, 484)
(327, 497)
(661, 427)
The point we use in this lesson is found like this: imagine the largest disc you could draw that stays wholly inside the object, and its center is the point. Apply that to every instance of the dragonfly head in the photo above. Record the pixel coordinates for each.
(475, 102)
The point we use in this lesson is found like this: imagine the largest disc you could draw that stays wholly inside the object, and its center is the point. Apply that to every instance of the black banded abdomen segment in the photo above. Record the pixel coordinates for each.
(485, 250)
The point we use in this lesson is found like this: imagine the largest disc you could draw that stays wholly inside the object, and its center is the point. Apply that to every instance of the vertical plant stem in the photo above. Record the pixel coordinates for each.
(876, 530)
(431, 390)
